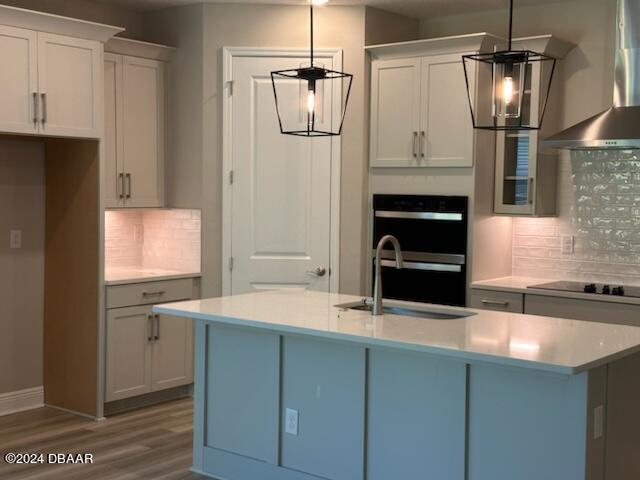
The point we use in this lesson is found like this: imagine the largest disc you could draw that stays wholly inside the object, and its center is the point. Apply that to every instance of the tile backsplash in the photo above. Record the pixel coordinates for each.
(599, 203)
(162, 239)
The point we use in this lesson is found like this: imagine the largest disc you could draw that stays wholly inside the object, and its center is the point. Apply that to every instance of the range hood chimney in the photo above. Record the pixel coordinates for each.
(619, 126)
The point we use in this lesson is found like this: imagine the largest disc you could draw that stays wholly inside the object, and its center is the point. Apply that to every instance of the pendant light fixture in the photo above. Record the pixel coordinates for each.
(304, 96)
(517, 102)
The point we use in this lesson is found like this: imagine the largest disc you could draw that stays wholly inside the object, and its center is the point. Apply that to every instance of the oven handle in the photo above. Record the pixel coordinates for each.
(423, 257)
(429, 267)
(443, 216)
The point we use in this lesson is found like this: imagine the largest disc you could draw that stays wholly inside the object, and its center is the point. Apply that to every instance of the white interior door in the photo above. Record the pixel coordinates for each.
(281, 193)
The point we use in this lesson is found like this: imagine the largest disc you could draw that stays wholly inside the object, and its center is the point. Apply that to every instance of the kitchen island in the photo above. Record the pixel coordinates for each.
(288, 386)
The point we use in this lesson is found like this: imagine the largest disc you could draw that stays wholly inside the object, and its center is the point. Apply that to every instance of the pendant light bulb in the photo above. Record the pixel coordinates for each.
(311, 102)
(507, 90)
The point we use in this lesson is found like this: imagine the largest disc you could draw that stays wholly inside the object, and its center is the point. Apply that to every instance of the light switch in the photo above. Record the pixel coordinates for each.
(15, 239)
(567, 244)
(291, 421)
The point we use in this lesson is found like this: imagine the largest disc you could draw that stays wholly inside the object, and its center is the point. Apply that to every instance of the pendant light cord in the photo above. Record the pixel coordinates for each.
(311, 8)
(510, 23)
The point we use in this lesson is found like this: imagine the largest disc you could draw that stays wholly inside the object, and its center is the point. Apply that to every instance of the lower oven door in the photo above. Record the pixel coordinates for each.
(441, 283)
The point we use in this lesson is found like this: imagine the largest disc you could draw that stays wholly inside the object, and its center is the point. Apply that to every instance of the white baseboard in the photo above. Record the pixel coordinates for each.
(27, 399)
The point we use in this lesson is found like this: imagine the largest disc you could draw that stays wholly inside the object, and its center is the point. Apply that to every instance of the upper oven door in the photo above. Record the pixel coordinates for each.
(439, 227)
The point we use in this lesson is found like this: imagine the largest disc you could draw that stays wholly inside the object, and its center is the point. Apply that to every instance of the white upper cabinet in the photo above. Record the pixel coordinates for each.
(420, 113)
(69, 71)
(446, 129)
(114, 165)
(49, 84)
(395, 114)
(526, 173)
(51, 74)
(143, 141)
(134, 125)
(18, 80)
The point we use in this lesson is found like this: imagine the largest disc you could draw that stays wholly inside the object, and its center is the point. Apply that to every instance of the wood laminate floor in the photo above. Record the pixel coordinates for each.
(151, 443)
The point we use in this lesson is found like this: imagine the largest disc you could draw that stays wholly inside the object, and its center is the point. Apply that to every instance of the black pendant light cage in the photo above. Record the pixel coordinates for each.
(305, 98)
(514, 87)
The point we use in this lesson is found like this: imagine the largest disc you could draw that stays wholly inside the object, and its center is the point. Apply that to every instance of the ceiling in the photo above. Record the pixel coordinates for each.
(411, 8)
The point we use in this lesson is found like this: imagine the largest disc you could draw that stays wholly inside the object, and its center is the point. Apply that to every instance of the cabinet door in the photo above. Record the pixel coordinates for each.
(395, 112)
(172, 357)
(129, 338)
(70, 85)
(18, 80)
(446, 129)
(143, 147)
(113, 131)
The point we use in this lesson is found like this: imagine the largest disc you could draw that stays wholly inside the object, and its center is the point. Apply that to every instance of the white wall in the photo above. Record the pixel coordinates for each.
(22, 207)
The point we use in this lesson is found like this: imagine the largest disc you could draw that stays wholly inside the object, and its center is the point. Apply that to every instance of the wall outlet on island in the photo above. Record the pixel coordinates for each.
(291, 421)
(15, 239)
(567, 244)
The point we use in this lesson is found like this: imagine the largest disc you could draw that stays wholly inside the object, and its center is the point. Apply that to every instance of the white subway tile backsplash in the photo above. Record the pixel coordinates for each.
(153, 239)
(599, 203)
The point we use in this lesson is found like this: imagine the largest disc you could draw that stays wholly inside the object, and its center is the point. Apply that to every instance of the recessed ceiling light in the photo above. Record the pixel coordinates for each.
(318, 2)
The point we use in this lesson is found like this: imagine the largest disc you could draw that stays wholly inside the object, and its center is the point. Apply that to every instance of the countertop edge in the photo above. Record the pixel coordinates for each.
(398, 345)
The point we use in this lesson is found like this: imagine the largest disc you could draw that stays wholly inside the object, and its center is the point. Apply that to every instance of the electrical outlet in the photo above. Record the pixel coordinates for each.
(567, 244)
(291, 421)
(598, 422)
(15, 239)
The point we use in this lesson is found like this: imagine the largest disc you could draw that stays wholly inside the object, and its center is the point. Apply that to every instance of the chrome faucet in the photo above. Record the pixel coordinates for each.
(377, 288)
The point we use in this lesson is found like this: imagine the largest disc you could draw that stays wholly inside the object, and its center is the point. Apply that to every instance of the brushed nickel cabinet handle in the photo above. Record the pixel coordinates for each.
(120, 185)
(530, 191)
(149, 327)
(153, 294)
(495, 303)
(35, 108)
(415, 141)
(128, 175)
(43, 96)
(423, 136)
(157, 335)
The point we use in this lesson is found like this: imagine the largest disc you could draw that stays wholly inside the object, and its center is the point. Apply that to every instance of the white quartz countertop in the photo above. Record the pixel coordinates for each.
(123, 276)
(541, 343)
(522, 285)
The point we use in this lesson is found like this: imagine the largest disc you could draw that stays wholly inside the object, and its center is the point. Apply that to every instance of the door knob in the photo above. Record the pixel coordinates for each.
(318, 272)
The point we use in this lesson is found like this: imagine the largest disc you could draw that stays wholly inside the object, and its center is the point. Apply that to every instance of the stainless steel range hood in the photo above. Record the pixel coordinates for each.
(619, 126)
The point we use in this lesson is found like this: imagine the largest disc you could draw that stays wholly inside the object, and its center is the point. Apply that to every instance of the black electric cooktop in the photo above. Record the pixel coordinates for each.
(592, 288)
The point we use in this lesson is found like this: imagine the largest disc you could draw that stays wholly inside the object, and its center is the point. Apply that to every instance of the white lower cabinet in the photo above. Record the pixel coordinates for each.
(128, 352)
(146, 352)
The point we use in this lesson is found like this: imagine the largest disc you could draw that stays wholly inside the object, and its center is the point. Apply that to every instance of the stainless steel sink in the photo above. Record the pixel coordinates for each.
(406, 311)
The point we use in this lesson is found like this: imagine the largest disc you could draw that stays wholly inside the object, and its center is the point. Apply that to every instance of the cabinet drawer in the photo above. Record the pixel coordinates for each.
(496, 300)
(149, 293)
(589, 310)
